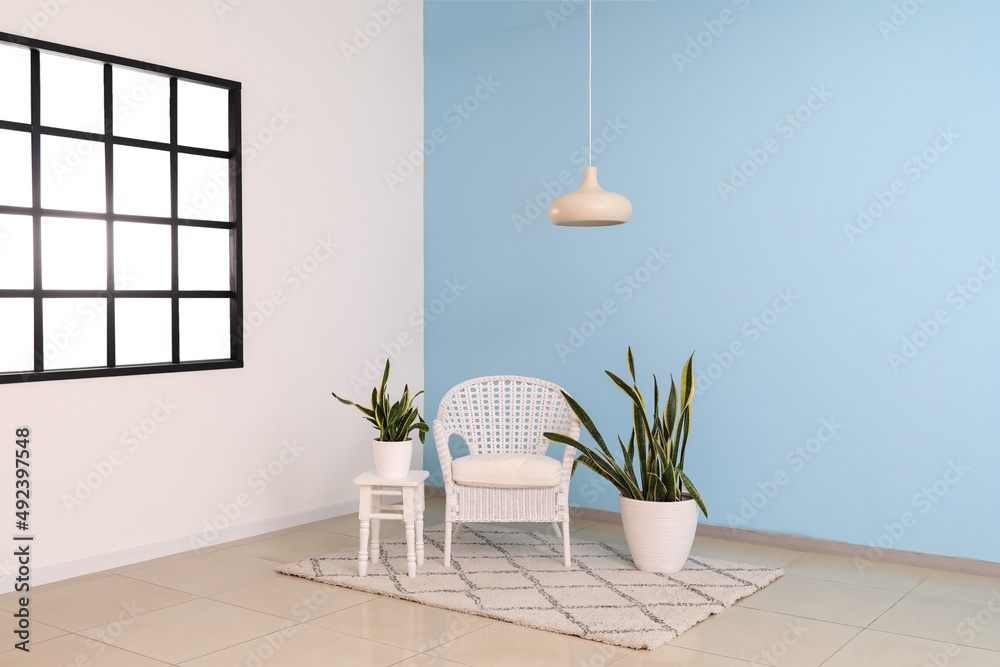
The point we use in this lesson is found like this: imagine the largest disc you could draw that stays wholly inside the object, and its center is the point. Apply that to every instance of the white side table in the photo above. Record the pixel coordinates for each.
(371, 511)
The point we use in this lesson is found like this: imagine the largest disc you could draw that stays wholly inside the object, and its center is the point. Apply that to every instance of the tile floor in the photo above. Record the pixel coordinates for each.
(226, 606)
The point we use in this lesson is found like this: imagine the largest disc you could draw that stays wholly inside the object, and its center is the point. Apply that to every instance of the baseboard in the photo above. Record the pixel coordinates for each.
(862, 553)
(99, 563)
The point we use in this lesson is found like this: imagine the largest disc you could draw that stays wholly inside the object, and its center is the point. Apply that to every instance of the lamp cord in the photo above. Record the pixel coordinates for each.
(590, 87)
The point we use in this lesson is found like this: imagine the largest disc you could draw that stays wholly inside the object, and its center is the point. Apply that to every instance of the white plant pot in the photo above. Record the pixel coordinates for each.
(659, 535)
(392, 459)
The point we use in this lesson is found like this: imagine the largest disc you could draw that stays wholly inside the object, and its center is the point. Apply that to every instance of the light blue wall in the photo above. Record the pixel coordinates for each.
(887, 95)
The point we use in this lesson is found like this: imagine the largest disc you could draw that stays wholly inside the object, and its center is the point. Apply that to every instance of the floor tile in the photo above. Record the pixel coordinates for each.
(428, 660)
(100, 602)
(599, 532)
(831, 601)
(192, 629)
(209, 573)
(767, 638)
(39, 632)
(409, 625)
(882, 649)
(945, 620)
(674, 656)
(304, 646)
(158, 561)
(296, 546)
(350, 527)
(957, 586)
(503, 644)
(72, 650)
(69, 582)
(257, 538)
(741, 552)
(873, 574)
(293, 598)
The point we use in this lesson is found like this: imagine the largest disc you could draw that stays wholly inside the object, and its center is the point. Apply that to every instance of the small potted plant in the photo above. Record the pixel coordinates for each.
(659, 503)
(394, 421)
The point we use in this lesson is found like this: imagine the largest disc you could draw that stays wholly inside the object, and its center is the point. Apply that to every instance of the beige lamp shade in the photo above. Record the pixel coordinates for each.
(590, 206)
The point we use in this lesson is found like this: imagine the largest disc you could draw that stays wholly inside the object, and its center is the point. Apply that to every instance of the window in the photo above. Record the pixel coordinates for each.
(120, 216)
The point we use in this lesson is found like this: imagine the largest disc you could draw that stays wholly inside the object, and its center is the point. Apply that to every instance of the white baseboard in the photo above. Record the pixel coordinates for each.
(99, 563)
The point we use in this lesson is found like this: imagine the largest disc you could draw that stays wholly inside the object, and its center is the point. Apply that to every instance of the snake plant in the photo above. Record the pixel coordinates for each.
(394, 421)
(657, 444)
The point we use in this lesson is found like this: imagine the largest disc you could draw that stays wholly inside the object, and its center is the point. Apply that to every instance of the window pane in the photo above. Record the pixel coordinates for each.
(142, 331)
(76, 333)
(16, 252)
(142, 256)
(15, 168)
(142, 181)
(73, 175)
(72, 93)
(74, 254)
(15, 82)
(203, 258)
(203, 188)
(204, 328)
(17, 335)
(202, 116)
(141, 105)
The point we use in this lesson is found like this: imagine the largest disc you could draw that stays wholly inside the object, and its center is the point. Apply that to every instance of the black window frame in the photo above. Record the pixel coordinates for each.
(174, 220)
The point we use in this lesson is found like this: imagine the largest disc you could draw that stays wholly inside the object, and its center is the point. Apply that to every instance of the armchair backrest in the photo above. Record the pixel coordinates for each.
(506, 414)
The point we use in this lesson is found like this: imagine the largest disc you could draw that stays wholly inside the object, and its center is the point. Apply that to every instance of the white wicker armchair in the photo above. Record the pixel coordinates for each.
(507, 475)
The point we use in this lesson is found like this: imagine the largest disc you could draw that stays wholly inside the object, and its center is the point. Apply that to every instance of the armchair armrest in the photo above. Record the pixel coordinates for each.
(441, 437)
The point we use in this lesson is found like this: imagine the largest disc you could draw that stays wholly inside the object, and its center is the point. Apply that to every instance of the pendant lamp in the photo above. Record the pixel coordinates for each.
(590, 205)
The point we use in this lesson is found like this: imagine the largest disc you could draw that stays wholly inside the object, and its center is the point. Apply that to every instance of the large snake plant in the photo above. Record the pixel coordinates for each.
(394, 421)
(660, 443)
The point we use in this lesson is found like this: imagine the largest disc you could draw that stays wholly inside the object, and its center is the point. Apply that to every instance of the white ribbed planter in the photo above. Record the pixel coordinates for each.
(392, 459)
(659, 535)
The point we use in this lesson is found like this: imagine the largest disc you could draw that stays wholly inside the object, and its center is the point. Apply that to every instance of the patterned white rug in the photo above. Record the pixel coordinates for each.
(517, 576)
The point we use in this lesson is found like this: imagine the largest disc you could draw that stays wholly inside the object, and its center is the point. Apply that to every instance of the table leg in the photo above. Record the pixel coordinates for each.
(420, 524)
(363, 553)
(376, 509)
(411, 558)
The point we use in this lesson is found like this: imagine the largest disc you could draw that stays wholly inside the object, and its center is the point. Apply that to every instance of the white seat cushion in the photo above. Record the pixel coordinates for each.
(507, 471)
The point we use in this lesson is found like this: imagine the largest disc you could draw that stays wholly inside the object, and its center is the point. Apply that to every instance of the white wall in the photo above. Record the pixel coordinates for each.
(321, 177)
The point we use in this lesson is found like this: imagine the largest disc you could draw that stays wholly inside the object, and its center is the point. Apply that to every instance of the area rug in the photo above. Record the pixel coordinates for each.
(518, 576)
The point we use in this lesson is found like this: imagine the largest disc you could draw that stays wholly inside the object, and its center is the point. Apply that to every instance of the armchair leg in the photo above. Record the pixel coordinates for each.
(458, 530)
(555, 527)
(566, 543)
(447, 543)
